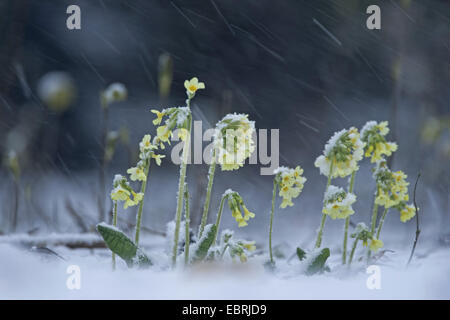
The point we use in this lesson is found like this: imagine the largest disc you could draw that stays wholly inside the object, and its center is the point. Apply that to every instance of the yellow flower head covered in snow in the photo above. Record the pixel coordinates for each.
(123, 192)
(392, 188)
(344, 150)
(373, 135)
(233, 142)
(338, 203)
(290, 183)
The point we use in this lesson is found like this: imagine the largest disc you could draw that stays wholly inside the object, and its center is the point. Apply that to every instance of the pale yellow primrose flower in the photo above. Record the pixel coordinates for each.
(375, 244)
(159, 116)
(376, 146)
(338, 203)
(236, 205)
(392, 187)
(291, 183)
(345, 149)
(233, 142)
(407, 212)
(193, 85)
(137, 173)
(123, 192)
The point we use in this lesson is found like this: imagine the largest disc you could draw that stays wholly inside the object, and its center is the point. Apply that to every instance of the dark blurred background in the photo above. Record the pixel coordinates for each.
(309, 68)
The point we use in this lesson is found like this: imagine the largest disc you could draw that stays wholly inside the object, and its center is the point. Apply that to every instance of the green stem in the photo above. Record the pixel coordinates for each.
(347, 221)
(324, 216)
(186, 151)
(115, 225)
(352, 252)
(141, 204)
(187, 223)
(380, 224)
(219, 217)
(212, 169)
(271, 220)
(373, 224)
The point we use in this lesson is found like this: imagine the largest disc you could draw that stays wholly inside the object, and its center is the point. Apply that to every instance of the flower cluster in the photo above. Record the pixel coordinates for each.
(146, 152)
(407, 211)
(122, 191)
(290, 182)
(338, 203)
(237, 206)
(239, 248)
(342, 152)
(373, 135)
(177, 117)
(57, 90)
(233, 142)
(392, 188)
(362, 233)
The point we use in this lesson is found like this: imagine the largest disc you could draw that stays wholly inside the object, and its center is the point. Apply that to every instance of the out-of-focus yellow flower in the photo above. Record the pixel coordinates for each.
(192, 86)
(115, 92)
(375, 244)
(344, 150)
(182, 134)
(338, 203)
(250, 245)
(57, 90)
(376, 146)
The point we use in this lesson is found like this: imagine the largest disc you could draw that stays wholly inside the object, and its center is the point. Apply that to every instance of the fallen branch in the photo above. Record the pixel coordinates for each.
(417, 221)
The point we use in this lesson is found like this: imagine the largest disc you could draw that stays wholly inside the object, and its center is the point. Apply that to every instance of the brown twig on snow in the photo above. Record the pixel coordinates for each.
(417, 221)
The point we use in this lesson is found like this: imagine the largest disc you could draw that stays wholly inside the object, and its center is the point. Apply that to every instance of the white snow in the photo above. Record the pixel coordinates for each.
(26, 275)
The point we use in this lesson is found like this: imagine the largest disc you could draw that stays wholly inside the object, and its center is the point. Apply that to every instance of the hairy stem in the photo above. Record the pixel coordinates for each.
(141, 204)
(187, 223)
(373, 224)
(380, 224)
(347, 221)
(324, 216)
(352, 253)
(115, 225)
(274, 193)
(212, 169)
(186, 151)
(219, 217)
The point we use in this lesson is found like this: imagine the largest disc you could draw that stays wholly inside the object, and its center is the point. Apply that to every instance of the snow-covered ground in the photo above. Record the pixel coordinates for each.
(26, 274)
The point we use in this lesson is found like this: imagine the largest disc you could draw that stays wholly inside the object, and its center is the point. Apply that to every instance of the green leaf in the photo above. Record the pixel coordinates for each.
(121, 245)
(318, 263)
(301, 254)
(204, 243)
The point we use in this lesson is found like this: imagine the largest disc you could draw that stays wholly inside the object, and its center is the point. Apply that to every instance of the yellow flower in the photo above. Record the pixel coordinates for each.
(157, 158)
(407, 213)
(193, 85)
(159, 116)
(290, 182)
(164, 134)
(250, 246)
(182, 134)
(146, 143)
(372, 134)
(344, 150)
(137, 197)
(375, 244)
(137, 173)
(120, 194)
(392, 186)
(338, 203)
